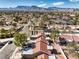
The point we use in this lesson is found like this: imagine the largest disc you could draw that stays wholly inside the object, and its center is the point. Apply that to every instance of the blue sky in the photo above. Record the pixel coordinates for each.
(40, 3)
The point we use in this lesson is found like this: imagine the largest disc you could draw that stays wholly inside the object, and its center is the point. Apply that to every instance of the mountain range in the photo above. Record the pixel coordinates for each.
(36, 8)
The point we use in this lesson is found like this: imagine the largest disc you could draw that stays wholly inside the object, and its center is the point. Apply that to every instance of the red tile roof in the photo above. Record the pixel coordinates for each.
(71, 37)
(57, 47)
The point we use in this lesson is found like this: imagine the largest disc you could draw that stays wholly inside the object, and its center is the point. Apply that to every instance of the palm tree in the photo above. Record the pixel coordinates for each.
(55, 34)
(33, 23)
(19, 39)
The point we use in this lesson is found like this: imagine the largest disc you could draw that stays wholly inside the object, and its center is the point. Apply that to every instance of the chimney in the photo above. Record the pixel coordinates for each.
(41, 47)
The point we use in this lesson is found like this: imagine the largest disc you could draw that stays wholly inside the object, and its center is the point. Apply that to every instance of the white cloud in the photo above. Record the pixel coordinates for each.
(74, 0)
(42, 5)
(58, 3)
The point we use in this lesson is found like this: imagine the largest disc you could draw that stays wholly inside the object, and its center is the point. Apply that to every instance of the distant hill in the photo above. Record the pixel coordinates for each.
(36, 8)
(31, 8)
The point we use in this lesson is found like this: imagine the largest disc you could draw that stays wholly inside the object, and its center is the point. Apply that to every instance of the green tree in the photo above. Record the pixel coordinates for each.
(17, 18)
(55, 34)
(19, 39)
(75, 20)
(4, 33)
(2, 30)
(73, 48)
(35, 57)
(1, 23)
(72, 44)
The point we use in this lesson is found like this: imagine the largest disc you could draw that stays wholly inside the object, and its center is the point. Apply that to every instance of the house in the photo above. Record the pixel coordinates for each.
(70, 37)
(39, 49)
